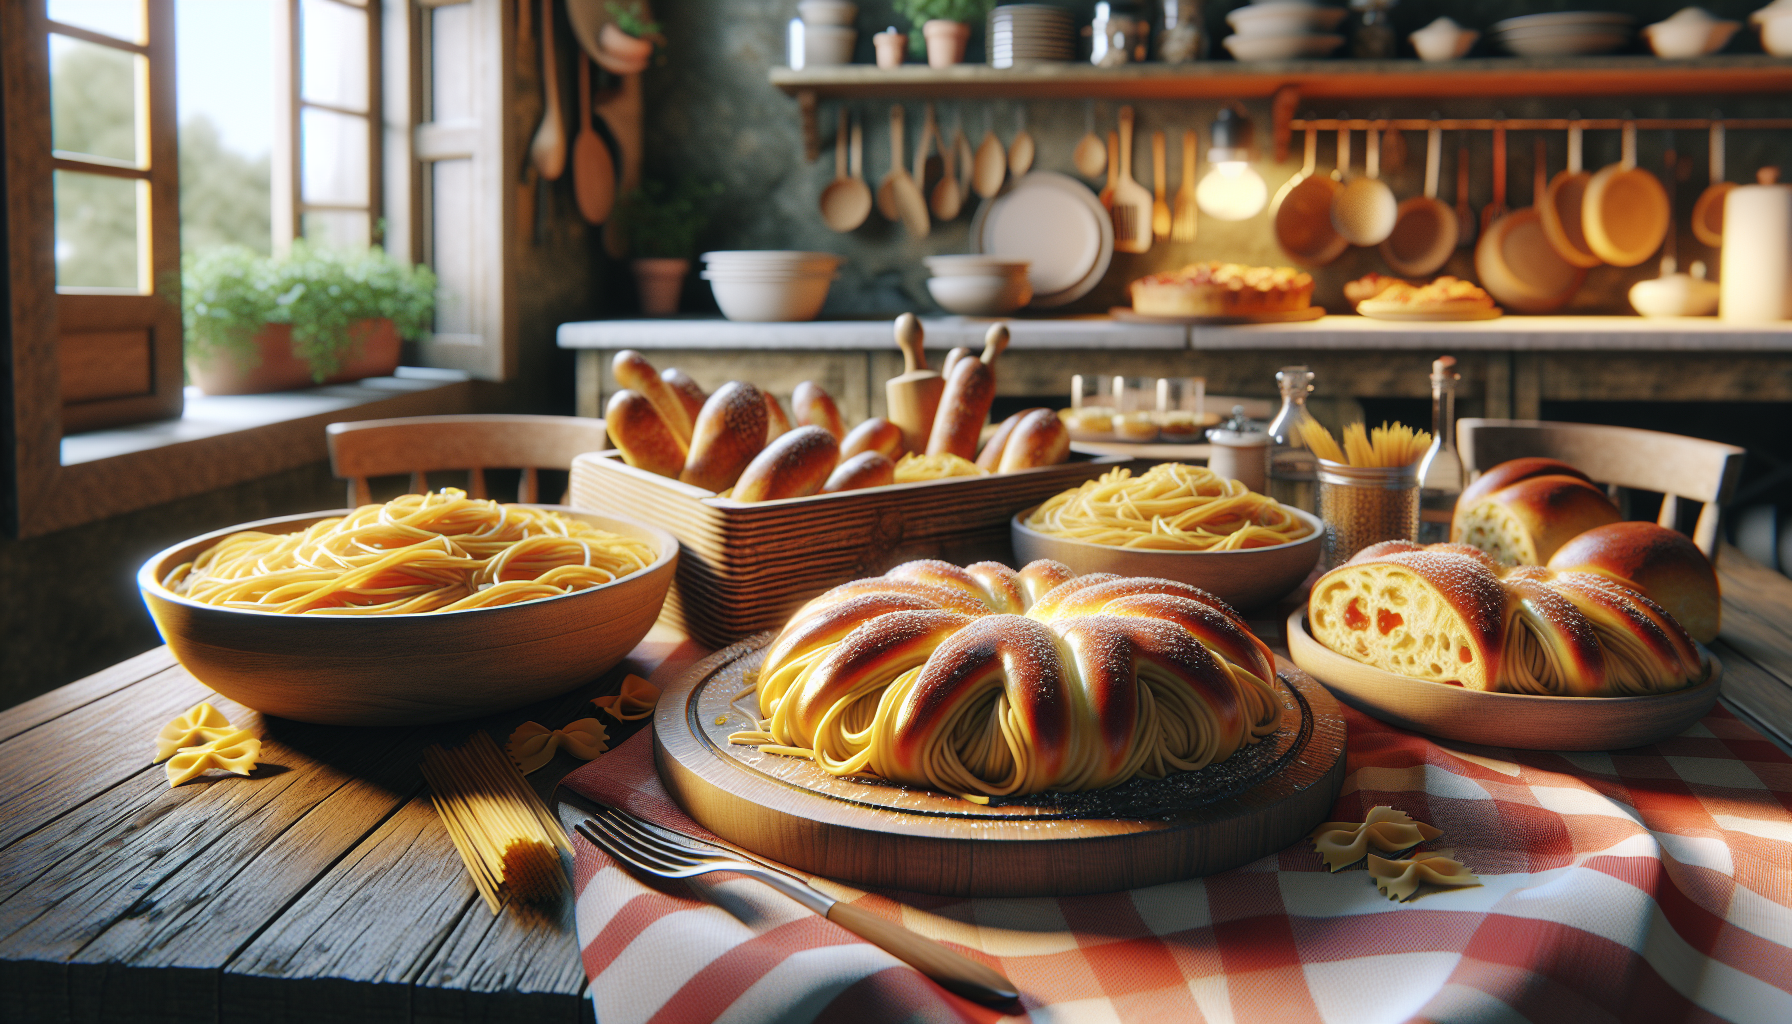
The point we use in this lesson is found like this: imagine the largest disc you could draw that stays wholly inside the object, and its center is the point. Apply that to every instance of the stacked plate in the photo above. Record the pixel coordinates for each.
(1019, 33)
(1564, 33)
(770, 285)
(979, 285)
(1283, 30)
(1055, 224)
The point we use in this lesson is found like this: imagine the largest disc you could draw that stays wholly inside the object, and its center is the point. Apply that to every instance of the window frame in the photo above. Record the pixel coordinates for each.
(289, 204)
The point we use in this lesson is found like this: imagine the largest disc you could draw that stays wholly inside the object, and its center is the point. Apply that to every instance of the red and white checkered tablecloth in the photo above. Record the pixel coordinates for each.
(1652, 884)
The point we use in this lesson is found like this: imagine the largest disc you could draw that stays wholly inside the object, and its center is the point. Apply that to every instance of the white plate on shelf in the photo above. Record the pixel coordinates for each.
(1058, 225)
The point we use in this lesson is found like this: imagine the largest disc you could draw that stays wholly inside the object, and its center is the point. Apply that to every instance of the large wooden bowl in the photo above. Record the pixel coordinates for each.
(1249, 579)
(407, 669)
(1516, 720)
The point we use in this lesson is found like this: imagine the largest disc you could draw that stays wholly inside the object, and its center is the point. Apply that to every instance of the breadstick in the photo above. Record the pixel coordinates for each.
(640, 432)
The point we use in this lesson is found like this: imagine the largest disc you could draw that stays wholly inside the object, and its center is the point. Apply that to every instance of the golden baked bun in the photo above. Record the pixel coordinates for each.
(687, 389)
(985, 682)
(632, 370)
(874, 435)
(1039, 439)
(638, 431)
(776, 423)
(1665, 565)
(793, 466)
(814, 407)
(866, 469)
(729, 432)
(1525, 523)
(1505, 475)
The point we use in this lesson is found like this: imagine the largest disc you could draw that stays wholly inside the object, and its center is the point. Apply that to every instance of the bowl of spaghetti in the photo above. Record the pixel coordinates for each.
(424, 609)
(1177, 522)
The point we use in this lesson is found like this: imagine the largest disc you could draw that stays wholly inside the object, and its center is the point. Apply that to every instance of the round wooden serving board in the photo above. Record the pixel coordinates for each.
(1259, 801)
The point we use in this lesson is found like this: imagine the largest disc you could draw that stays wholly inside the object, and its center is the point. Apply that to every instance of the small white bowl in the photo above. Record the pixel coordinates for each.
(770, 257)
(1775, 22)
(1691, 32)
(828, 45)
(1284, 17)
(959, 266)
(1280, 47)
(817, 13)
(984, 295)
(1443, 39)
(769, 301)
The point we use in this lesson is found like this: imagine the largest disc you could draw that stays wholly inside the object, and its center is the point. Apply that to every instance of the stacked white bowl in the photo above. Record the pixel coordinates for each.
(828, 32)
(1283, 30)
(979, 285)
(1563, 33)
(770, 285)
(1019, 33)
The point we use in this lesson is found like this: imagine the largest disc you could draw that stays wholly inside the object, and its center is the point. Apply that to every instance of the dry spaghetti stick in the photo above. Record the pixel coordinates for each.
(1320, 441)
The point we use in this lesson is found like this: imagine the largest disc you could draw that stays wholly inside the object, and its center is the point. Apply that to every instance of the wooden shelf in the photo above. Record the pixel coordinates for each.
(1315, 79)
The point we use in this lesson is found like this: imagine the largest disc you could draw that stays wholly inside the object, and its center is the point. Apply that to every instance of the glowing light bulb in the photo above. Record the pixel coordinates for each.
(1232, 189)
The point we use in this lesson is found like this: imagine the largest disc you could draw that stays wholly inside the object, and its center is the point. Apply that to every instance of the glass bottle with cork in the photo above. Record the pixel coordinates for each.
(1293, 468)
(1440, 472)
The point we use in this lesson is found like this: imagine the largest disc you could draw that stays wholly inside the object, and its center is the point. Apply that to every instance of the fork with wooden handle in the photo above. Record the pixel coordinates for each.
(646, 849)
(1132, 203)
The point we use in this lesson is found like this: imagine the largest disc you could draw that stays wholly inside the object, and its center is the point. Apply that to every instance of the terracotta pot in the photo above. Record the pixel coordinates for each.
(275, 368)
(892, 48)
(945, 42)
(621, 53)
(661, 279)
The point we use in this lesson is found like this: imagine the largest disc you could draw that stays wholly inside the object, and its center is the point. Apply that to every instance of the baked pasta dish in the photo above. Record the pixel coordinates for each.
(1222, 289)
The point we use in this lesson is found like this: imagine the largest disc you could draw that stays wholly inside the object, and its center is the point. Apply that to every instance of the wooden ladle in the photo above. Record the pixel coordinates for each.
(593, 172)
(1561, 207)
(1708, 210)
(548, 148)
(947, 198)
(846, 202)
(1089, 157)
(991, 165)
(1424, 232)
(898, 197)
(1022, 149)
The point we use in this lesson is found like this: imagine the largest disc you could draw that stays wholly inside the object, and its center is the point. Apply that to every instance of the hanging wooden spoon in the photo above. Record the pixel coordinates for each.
(886, 188)
(905, 196)
(1160, 185)
(946, 199)
(846, 202)
(1021, 150)
(1089, 157)
(1182, 227)
(927, 164)
(962, 155)
(548, 148)
(593, 173)
(991, 166)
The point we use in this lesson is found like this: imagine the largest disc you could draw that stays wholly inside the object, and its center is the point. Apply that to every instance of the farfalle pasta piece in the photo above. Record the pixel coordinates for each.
(636, 700)
(201, 724)
(1343, 843)
(236, 751)
(532, 745)
(1400, 879)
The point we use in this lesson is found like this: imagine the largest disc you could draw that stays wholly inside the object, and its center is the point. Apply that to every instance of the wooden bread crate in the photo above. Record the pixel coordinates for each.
(745, 567)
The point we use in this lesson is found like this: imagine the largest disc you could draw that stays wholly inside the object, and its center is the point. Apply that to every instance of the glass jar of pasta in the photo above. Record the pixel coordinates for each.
(1364, 505)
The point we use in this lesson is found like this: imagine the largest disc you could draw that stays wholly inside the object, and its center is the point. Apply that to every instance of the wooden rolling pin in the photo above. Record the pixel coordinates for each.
(914, 396)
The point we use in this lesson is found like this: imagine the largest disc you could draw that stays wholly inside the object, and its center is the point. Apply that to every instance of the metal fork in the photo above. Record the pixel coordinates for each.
(645, 849)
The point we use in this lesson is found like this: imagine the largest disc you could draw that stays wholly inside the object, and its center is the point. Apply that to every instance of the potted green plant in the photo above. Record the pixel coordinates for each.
(626, 42)
(256, 324)
(661, 222)
(944, 25)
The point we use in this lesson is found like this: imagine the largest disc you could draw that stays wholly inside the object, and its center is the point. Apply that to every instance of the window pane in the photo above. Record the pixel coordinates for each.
(120, 19)
(333, 54)
(337, 229)
(455, 244)
(334, 163)
(96, 101)
(451, 63)
(101, 225)
(225, 102)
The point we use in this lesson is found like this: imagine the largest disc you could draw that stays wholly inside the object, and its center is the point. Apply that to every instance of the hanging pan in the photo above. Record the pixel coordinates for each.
(1425, 230)
(1562, 205)
(1514, 259)
(1625, 212)
(1708, 211)
(1303, 212)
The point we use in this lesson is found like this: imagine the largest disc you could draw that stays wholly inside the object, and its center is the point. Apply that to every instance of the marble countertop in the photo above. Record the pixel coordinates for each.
(1512, 333)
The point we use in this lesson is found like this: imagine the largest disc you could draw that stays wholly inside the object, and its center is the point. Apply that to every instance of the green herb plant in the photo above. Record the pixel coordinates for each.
(230, 293)
(631, 19)
(919, 12)
(662, 220)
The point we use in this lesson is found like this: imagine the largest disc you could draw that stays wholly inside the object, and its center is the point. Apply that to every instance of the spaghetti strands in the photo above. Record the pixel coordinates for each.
(1172, 507)
(437, 552)
(1386, 447)
(508, 840)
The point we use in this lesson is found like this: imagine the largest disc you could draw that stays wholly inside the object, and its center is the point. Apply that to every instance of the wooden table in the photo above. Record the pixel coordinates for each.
(324, 888)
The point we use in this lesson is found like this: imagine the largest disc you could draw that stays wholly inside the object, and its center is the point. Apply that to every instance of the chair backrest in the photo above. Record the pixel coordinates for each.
(1680, 468)
(424, 444)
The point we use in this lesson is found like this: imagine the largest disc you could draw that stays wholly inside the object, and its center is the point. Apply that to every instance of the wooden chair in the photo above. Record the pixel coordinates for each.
(1679, 468)
(423, 444)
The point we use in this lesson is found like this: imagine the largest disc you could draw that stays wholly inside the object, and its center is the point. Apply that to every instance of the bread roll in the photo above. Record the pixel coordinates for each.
(776, 423)
(794, 465)
(952, 358)
(633, 371)
(688, 390)
(813, 407)
(1665, 565)
(638, 430)
(991, 455)
(1040, 439)
(730, 431)
(1418, 613)
(874, 435)
(1505, 475)
(1525, 523)
(866, 469)
(964, 408)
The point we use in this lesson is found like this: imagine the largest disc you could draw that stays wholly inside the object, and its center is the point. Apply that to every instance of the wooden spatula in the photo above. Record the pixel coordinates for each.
(1160, 202)
(914, 395)
(1182, 228)
(1132, 203)
(1107, 191)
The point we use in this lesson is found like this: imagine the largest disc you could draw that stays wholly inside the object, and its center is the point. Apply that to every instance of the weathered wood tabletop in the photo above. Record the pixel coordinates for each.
(324, 887)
